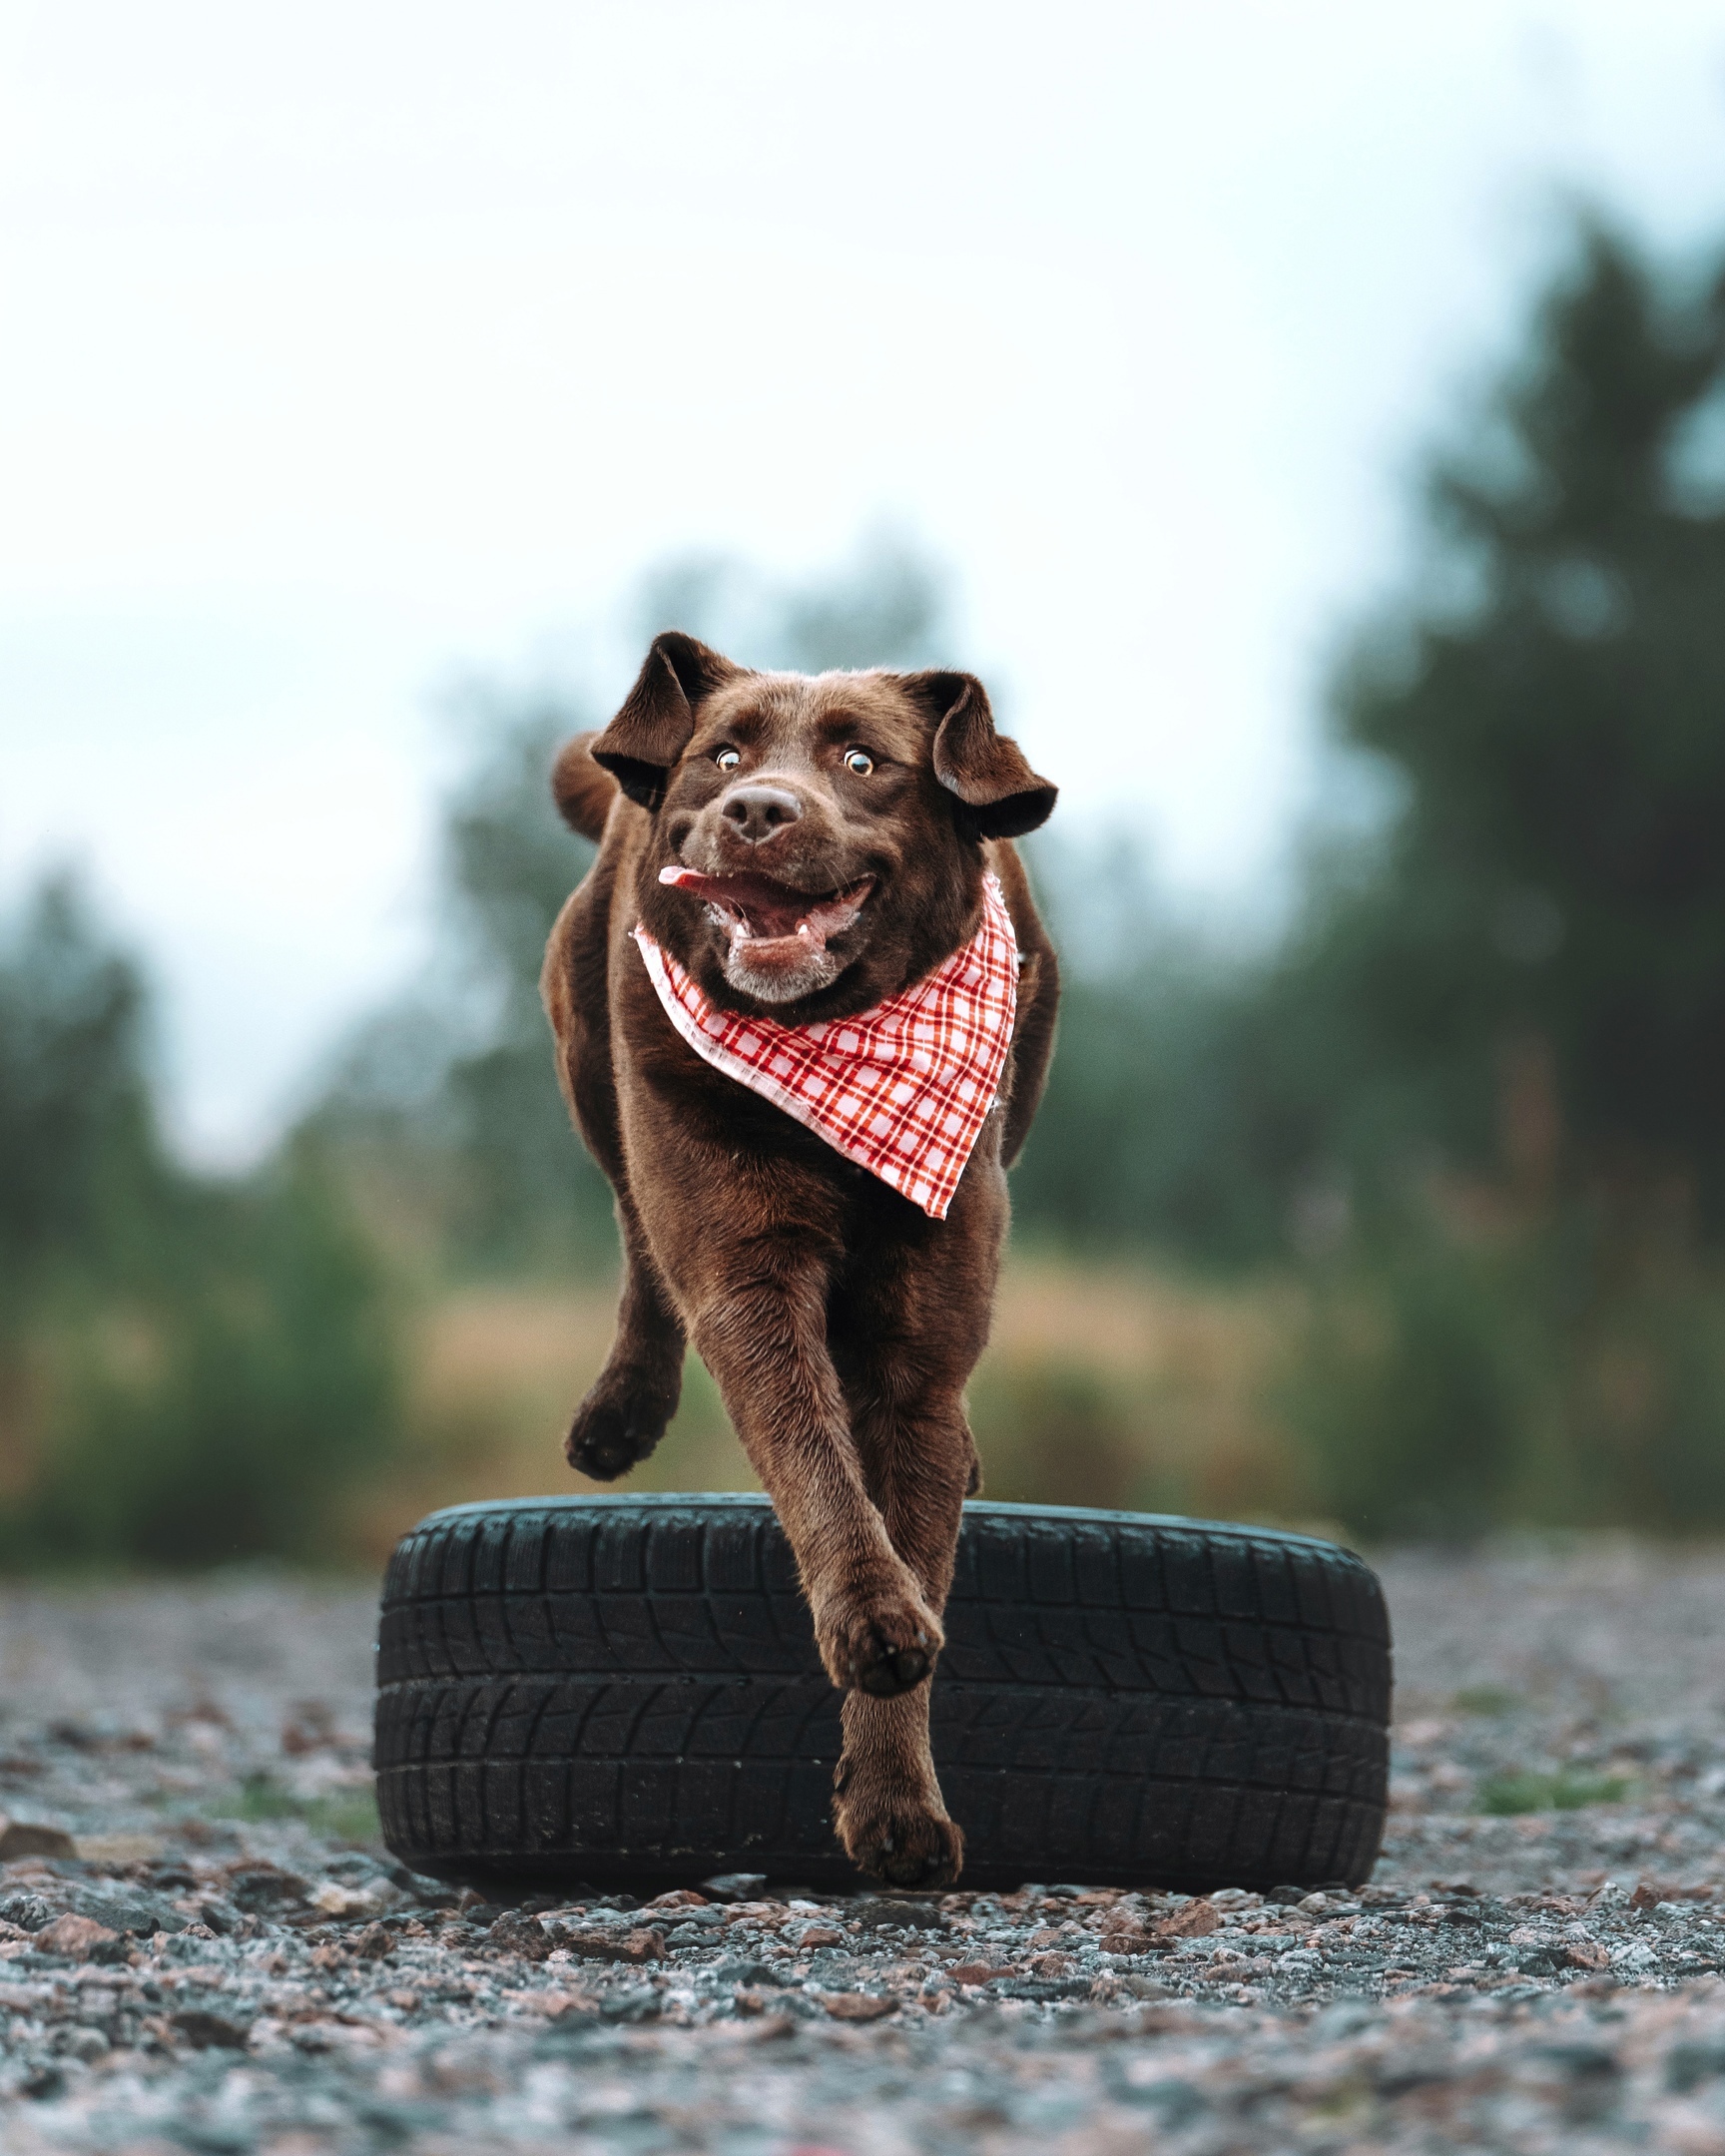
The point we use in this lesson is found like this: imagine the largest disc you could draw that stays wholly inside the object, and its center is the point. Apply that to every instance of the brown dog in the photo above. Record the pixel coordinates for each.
(804, 849)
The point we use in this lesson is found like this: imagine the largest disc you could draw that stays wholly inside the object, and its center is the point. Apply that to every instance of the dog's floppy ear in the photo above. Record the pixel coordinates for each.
(653, 728)
(998, 795)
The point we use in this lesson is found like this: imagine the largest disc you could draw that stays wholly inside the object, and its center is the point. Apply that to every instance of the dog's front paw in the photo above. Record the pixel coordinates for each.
(618, 1425)
(906, 1842)
(883, 1645)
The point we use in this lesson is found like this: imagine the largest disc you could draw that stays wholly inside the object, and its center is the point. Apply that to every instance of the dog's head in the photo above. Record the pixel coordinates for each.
(816, 838)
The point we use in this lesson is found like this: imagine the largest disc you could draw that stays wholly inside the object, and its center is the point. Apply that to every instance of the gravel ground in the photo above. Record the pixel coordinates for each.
(204, 1946)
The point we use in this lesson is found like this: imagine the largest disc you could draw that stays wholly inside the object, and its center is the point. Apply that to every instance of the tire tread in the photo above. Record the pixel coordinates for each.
(629, 1689)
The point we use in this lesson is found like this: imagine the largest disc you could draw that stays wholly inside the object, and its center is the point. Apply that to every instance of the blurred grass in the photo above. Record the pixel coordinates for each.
(1507, 1795)
(1431, 1394)
(1434, 1393)
(1107, 1385)
(346, 1816)
(1486, 1699)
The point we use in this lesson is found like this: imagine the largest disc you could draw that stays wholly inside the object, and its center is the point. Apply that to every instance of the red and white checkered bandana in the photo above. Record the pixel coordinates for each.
(903, 1089)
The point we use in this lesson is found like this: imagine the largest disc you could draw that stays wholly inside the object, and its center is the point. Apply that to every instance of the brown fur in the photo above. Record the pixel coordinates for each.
(582, 791)
(840, 1323)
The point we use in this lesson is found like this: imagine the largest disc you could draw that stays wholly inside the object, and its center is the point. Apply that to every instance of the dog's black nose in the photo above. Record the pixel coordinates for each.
(757, 811)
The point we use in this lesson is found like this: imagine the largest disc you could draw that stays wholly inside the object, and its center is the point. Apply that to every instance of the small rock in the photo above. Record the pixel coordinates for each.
(264, 1889)
(734, 1886)
(634, 1946)
(80, 1938)
(514, 1933)
(25, 1838)
(126, 1908)
(335, 1899)
(310, 1727)
(857, 2005)
(877, 1910)
(639, 2002)
(1196, 1920)
(205, 2031)
(1127, 1940)
(550, 2006)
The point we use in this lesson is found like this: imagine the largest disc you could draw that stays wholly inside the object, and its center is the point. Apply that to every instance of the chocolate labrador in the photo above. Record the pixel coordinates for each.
(804, 1009)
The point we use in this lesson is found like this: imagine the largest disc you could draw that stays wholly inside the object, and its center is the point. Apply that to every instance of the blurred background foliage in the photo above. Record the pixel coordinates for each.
(1404, 1214)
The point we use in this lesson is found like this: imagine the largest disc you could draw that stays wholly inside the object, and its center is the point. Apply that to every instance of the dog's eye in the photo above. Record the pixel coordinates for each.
(728, 759)
(860, 762)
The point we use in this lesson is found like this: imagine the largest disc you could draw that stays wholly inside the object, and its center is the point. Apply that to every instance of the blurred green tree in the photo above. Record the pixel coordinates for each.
(189, 1368)
(1479, 1089)
(1540, 956)
(1521, 971)
(81, 1167)
(1503, 1028)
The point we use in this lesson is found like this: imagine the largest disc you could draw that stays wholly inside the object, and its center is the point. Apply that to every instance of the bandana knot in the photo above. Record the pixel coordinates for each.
(903, 1089)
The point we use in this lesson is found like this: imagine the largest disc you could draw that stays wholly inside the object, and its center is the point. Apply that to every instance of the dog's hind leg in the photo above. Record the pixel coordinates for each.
(632, 1400)
(625, 1414)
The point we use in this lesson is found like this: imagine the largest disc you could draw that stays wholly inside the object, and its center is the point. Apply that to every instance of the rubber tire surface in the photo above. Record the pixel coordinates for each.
(626, 1690)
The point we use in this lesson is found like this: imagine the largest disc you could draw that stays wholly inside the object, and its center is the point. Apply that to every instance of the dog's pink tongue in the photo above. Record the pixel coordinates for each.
(730, 889)
(764, 912)
(769, 907)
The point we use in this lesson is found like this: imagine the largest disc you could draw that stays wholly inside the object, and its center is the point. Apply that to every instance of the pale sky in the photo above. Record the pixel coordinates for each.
(346, 348)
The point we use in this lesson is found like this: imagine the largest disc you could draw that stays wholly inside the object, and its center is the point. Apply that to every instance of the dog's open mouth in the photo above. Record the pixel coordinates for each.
(766, 919)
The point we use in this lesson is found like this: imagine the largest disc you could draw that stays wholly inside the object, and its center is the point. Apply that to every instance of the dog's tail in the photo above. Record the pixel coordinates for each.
(582, 791)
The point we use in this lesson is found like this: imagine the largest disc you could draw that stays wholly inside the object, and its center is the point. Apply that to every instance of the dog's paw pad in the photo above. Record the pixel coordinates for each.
(911, 1847)
(892, 1672)
(609, 1436)
(882, 1650)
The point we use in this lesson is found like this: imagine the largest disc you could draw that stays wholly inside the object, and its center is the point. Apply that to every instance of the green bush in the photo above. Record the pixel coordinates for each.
(223, 1415)
(190, 1370)
(1411, 1393)
(1062, 1433)
(1507, 1796)
(1554, 1376)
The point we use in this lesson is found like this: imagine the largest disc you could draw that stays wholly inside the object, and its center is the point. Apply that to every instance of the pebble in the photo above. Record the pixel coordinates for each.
(205, 1948)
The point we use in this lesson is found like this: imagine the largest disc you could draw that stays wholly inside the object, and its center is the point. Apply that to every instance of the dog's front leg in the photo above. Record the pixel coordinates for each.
(918, 1459)
(759, 1327)
(909, 1325)
(886, 1803)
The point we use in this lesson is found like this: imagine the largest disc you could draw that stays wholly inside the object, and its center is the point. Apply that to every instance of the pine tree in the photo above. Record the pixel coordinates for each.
(1542, 957)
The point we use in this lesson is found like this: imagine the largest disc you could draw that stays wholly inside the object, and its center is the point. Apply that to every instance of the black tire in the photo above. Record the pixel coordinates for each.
(626, 1691)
